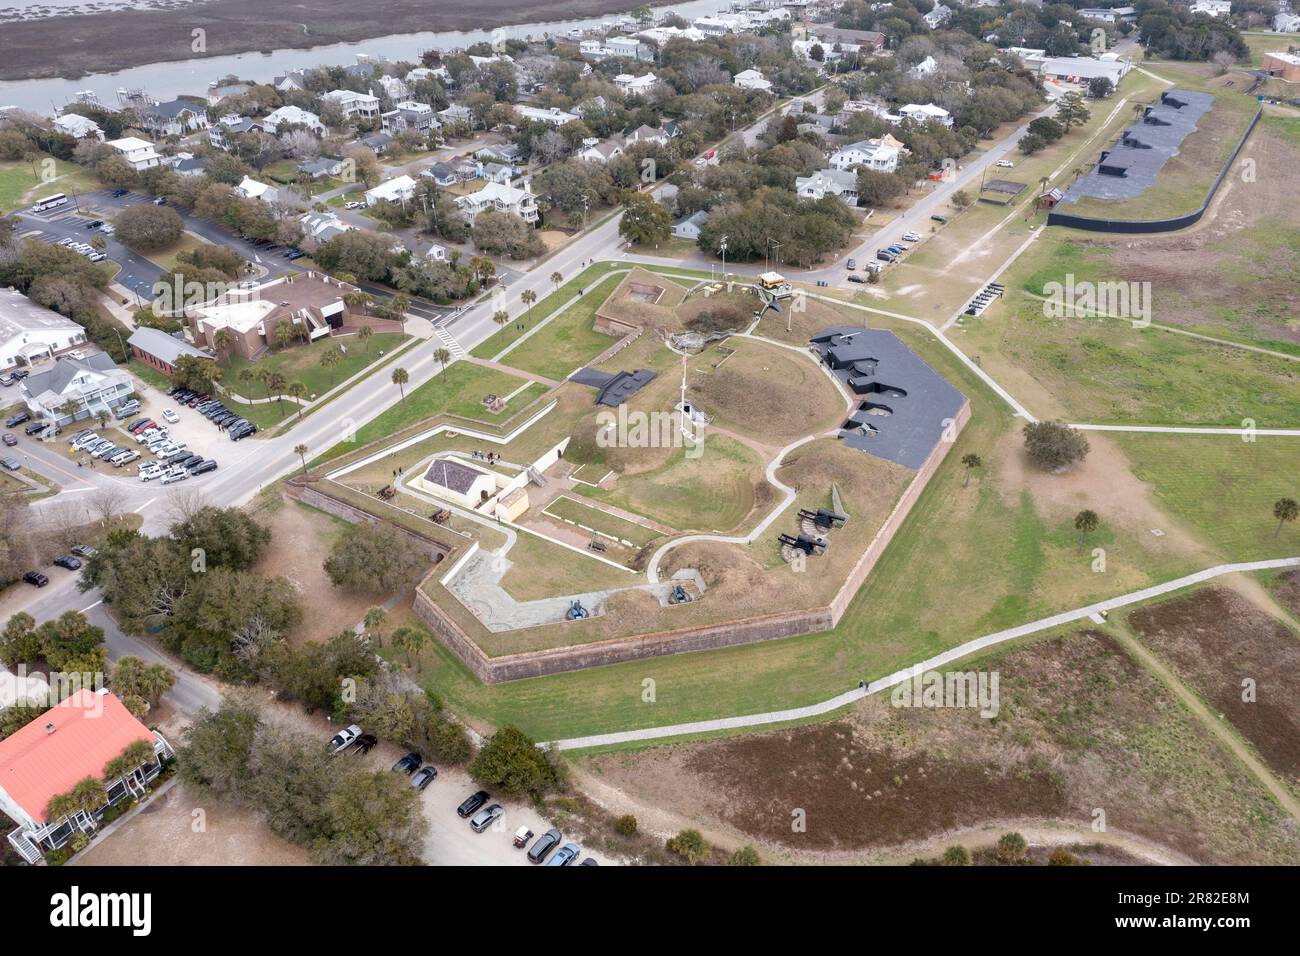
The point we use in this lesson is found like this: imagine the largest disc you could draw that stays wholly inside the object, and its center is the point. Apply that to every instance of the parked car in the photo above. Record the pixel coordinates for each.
(590, 861)
(543, 845)
(424, 776)
(344, 738)
(485, 817)
(35, 427)
(856, 279)
(94, 224)
(36, 578)
(10, 463)
(203, 467)
(15, 420)
(851, 264)
(409, 764)
(127, 409)
(1004, 163)
(472, 803)
(911, 237)
(173, 475)
(69, 562)
(10, 439)
(364, 743)
(160, 201)
(939, 219)
(7, 379)
(84, 551)
(119, 193)
(565, 855)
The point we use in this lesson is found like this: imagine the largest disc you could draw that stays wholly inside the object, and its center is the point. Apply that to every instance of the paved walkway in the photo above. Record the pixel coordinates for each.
(939, 660)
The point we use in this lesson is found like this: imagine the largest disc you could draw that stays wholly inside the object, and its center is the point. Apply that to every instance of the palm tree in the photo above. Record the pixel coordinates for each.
(246, 377)
(101, 417)
(971, 461)
(329, 360)
(374, 621)
(363, 336)
(400, 377)
(70, 408)
(528, 297)
(442, 357)
(299, 391)
(500, 317)
(134, 756)
(556, 279)
(301, 451)
(276, 383)
(401, 302)
(1284, 510)
(410, 640)
(263, 375)
(1086, 522)
(223, 340)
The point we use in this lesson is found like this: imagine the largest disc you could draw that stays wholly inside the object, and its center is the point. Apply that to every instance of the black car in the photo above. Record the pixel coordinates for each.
(69, 562)
(19, 374)
(190, 462)
(119, 193)
(36, 578)
(589, 861)
(16, 420)
(365, 742)
(424, 776)
(939, 219)
(34, 427)
(94, 224)
(409, 764)
(136, 425)
(243, 432)
(472, 803)
(543, 845)
(203, 467)
(10, 440)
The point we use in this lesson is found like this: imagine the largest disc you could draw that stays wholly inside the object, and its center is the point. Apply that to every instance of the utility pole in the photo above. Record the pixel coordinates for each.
(722, 249)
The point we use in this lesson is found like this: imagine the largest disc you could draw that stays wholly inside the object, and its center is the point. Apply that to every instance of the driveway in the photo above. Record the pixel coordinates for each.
(137, 273)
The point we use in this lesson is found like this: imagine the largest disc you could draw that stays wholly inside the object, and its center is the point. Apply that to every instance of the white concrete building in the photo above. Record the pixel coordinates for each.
(636, 85)
(250, 188)
(925, 113)
(29, 332)
(139, 153)
(554, 116)
(1212, 8)
(829, 182)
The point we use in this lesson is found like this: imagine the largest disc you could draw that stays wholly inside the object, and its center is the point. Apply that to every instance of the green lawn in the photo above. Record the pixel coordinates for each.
(301, 363)
(1223, 487)
(21, 183)
(568, 341)
(570, 509)
(459, 391)
(489, 348)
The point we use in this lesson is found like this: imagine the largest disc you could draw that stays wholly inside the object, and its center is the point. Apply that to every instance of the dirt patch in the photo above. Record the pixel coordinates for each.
(1081, 728)
(1229, 651)
(164, 834)
(1286, 590)
(300, 539)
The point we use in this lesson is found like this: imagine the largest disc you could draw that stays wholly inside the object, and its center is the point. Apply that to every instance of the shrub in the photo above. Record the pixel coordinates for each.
(626, 825)
(1053, 445)
(956, 856)
(689, 844)
(1012, 849)
(745, 856)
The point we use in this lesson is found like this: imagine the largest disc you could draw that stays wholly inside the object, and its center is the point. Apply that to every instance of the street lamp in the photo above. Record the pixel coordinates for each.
(722, 250)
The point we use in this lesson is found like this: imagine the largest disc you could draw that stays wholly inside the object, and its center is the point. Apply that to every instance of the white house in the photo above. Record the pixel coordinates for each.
(395, 87)
(1081, 69)
(598, 152)
(689, 228)
(360, 105)
(648, 134)
(319, 227)
(78, 126)
(292, 116)
(92, 385)
(873, 154)
(250, 188)
(630, 47)
(398, 189)
(636, 85)
(1213, 8)
(926, 113)
(1287, 23)
(829, 182)
(502, 198)
(29, 331)
(752, 80)
(554, 116)
(938, 16)
(139, 153)
(925, 68)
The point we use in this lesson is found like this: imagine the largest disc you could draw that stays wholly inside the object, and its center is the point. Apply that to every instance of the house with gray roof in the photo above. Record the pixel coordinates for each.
(89, 386)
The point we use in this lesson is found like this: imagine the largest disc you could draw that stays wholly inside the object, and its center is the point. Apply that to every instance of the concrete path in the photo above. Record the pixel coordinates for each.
(933, 663)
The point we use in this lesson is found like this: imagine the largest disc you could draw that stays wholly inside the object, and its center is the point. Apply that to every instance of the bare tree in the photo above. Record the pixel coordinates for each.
(183, 504)
(107, 502)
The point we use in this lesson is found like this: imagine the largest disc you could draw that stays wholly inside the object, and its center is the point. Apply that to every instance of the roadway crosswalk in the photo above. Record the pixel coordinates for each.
(446, 338)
